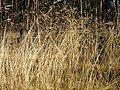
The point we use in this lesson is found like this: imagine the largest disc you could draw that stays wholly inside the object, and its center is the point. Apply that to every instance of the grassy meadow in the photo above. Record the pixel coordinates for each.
(60, 52)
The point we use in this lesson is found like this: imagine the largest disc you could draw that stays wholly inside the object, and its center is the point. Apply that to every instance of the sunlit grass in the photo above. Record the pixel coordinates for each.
(61, 54)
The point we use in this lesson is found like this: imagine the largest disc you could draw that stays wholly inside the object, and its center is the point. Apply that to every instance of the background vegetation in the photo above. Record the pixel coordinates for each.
(49, 48)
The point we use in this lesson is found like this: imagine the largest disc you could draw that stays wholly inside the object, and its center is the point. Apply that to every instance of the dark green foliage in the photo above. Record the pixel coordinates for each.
(100, 10)
(105, 9)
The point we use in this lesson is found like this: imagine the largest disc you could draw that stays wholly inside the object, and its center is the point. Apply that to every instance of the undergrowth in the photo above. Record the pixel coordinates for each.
(60, 52)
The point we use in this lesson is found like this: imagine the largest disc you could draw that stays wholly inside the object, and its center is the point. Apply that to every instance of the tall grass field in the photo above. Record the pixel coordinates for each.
(60, 52)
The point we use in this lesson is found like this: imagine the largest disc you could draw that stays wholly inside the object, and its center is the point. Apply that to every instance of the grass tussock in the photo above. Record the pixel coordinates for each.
(61, 53)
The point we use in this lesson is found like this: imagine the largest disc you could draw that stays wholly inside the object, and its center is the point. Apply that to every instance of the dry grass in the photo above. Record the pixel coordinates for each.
(61, 54)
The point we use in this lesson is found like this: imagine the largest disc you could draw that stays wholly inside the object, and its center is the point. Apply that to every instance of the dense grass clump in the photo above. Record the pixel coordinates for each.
(60, 52)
